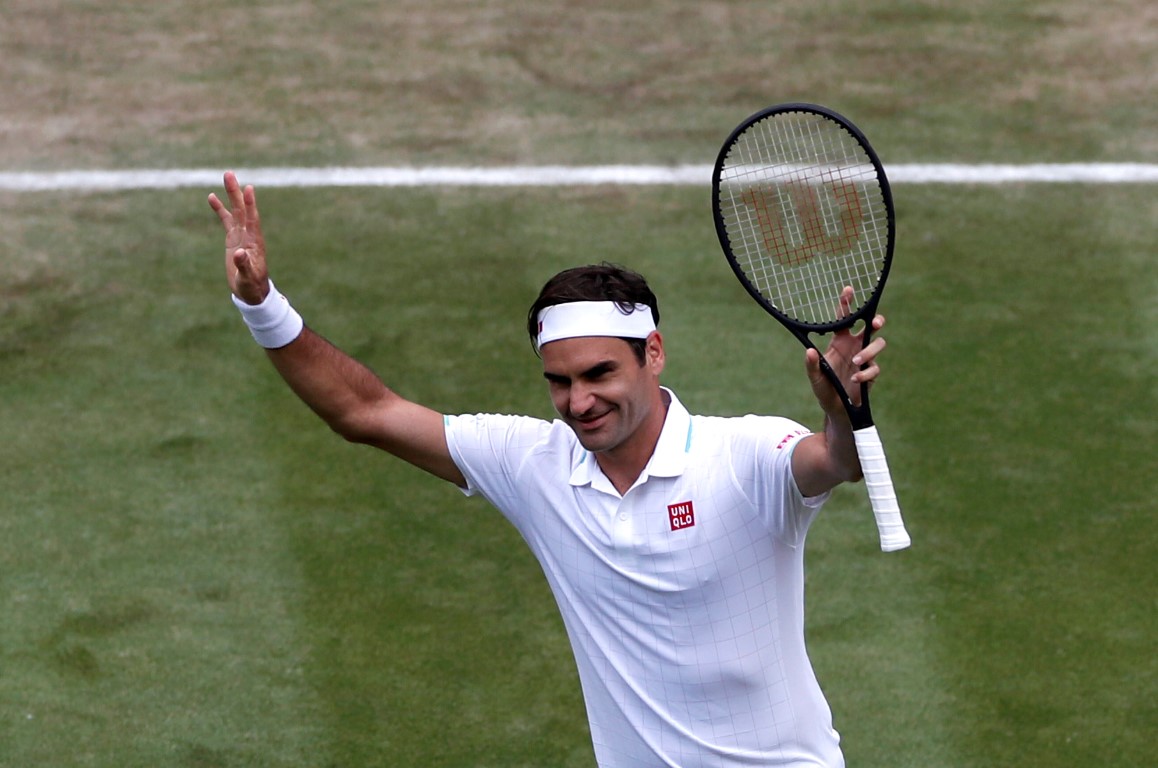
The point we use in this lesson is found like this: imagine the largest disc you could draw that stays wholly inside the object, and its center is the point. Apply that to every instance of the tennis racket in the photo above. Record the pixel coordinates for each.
(803, 209)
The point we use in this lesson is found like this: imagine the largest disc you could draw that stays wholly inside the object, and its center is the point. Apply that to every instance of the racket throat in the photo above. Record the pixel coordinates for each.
(859, 416)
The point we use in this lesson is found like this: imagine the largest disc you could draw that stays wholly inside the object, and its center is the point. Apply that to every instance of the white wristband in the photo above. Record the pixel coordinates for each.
(273, 322)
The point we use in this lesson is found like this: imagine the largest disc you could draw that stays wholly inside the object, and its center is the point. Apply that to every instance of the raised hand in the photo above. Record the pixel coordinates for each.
(245, 265)
(851, 364)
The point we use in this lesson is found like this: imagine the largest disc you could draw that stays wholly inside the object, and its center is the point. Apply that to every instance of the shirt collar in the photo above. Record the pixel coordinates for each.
(668, 460)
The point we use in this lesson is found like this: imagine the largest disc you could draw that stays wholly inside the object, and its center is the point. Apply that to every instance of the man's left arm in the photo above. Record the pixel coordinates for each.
(826, 459)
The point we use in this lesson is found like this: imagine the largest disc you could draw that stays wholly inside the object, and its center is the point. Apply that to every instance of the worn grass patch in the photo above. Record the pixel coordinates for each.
(170, 84)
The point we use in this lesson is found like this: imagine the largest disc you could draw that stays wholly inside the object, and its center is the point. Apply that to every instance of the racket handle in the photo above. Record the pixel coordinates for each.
(882, 496)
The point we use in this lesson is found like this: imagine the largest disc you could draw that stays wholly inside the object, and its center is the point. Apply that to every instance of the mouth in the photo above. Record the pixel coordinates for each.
(590, 423)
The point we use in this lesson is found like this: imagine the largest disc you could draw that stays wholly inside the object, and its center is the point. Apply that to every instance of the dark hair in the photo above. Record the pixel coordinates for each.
(596, 282)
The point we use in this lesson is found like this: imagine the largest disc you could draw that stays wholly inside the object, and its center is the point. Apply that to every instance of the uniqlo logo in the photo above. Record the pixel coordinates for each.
(681, 515)
(792, 436)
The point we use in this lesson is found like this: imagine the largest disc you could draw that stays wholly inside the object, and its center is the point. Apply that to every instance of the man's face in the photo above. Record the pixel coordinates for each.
(600, 389)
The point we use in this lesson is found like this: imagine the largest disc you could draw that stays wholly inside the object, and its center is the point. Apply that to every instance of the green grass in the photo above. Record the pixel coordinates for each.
(195, 572)
(198, 573)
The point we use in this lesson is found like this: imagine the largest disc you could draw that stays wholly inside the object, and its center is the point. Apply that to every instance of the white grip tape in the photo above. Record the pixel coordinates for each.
(882, 496)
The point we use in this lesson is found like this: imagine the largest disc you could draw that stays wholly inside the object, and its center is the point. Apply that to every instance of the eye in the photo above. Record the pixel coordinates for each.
(599, 372)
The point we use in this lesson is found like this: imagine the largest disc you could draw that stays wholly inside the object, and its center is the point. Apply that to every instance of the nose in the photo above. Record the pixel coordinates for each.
(581, 399)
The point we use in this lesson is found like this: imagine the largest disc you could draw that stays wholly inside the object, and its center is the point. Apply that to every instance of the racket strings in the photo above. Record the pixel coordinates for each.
(804, 211)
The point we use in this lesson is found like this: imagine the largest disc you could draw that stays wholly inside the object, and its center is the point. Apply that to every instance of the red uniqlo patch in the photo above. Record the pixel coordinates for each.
(681, 515)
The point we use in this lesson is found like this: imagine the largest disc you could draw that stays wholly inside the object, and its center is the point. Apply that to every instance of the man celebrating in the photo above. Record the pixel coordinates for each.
(673, 543)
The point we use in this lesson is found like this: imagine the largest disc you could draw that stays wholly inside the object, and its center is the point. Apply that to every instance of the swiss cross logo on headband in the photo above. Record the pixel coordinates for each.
(681, 515)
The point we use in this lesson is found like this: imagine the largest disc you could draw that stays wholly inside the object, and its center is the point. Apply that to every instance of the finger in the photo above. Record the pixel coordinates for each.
(867, 375)
(221, 211)
(236, 199)
(869, 353)
(846, 296)
(254, 219)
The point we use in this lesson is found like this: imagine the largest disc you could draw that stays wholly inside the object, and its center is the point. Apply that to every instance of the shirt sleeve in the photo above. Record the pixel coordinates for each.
(762, 458)
(489, 449)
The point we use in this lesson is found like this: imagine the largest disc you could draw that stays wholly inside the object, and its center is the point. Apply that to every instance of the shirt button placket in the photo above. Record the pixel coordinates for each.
(623, 524)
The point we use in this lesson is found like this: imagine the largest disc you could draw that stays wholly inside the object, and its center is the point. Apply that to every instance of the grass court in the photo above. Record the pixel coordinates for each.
(195, 572)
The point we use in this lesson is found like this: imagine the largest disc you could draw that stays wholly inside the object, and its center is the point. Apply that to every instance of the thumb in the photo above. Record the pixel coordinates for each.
(249, 283)
(821, 387)
(812, 366)
(241, 260)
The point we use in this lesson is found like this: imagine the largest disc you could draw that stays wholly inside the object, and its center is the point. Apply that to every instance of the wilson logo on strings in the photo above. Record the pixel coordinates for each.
(800, 221)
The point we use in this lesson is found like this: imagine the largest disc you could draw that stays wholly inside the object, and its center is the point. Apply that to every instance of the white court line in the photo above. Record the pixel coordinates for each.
(550, 175)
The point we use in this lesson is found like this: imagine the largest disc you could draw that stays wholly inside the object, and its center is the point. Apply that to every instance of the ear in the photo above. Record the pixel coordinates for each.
(654, 354)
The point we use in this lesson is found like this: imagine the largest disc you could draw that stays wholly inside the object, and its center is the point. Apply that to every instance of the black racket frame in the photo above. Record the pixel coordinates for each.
(859, 415)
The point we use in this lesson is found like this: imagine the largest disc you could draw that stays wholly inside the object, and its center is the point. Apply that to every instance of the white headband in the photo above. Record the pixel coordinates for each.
(593, 318)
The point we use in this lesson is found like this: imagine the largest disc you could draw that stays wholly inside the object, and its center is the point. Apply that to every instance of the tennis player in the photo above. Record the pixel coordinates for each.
(673, 543)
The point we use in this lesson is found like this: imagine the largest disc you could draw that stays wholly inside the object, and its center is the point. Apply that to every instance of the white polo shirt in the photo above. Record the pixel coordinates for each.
(683, 598)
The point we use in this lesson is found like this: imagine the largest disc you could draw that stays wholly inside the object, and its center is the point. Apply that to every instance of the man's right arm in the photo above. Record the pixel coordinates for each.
(355, 403)
(345, 393)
